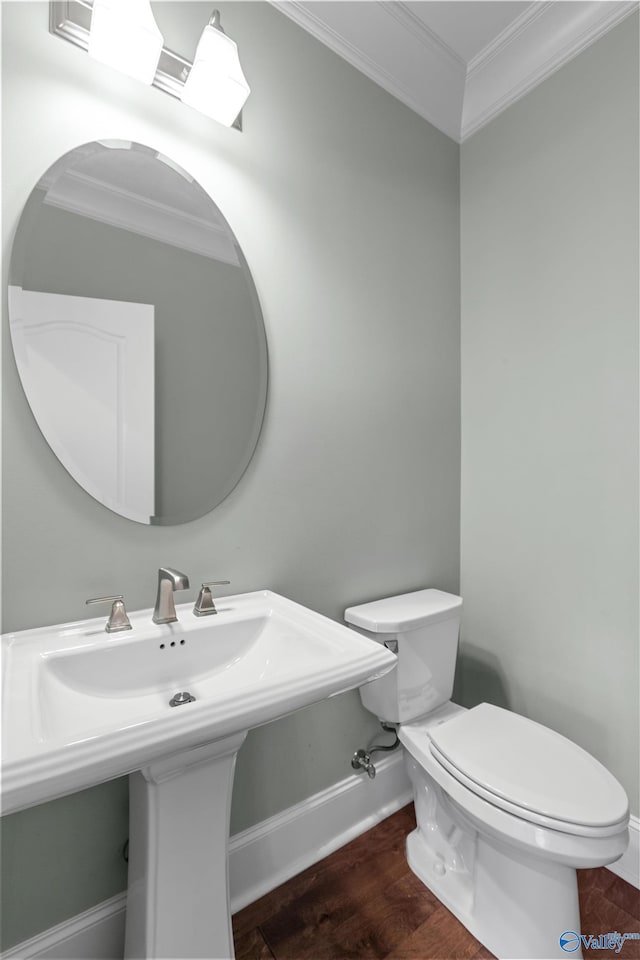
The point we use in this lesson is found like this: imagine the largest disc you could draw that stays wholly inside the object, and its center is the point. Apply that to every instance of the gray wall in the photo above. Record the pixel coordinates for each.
(549, 554)
(346, 205)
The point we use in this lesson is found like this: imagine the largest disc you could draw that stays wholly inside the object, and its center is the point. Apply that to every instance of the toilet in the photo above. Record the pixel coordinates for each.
(506, 808)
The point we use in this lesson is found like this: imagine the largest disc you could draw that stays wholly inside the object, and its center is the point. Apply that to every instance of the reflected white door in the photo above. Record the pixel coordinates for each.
(89, 365)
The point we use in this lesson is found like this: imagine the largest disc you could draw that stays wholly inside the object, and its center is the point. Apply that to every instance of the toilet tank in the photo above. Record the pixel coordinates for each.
(422, 628)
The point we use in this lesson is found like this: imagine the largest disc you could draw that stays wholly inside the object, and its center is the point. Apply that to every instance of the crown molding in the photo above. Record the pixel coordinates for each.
(539, 42)
(364, 42)
(388, 43)
(412, 24)
(511, 33)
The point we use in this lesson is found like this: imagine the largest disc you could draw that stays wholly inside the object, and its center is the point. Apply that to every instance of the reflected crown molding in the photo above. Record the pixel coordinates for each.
(98, 200)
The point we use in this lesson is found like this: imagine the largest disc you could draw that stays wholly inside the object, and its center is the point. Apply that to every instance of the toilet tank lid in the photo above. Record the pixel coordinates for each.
(405, 612)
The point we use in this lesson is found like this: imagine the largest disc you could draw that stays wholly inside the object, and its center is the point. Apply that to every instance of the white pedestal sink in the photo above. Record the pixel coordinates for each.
(81, 706)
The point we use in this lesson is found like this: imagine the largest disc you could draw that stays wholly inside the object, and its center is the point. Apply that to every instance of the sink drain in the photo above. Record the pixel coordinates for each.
(180, 698)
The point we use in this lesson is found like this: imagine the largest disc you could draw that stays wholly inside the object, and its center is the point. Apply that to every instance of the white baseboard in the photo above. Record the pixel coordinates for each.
(628, 866)
(264, 856)
(96, 934)
(260, 859)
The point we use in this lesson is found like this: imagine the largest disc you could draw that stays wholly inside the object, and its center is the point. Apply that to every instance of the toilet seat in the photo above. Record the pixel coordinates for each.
(529, 771)
(562, 842)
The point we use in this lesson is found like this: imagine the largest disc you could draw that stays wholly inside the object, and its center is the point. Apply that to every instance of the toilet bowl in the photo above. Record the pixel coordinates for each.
(506, 808)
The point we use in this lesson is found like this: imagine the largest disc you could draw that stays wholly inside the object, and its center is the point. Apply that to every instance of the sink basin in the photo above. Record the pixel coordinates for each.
(142, 666)
(81, 706)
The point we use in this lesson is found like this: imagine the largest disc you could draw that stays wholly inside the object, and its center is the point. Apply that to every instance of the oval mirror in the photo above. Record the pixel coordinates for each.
(137, 332)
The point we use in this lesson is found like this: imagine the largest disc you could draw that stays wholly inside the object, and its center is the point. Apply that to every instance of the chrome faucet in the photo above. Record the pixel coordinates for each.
(169, 581)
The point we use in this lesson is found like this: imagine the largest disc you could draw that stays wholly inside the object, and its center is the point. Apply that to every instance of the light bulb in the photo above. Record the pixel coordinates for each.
(216, 85)
(125, 36)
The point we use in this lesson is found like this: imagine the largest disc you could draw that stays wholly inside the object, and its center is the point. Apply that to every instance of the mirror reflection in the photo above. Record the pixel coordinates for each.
(137, 333)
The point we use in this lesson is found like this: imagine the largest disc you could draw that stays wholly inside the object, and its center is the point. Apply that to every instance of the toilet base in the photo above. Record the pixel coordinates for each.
(516, 904)
(515, 909)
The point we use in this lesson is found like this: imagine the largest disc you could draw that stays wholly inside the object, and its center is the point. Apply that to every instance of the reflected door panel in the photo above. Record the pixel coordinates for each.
(96, 357)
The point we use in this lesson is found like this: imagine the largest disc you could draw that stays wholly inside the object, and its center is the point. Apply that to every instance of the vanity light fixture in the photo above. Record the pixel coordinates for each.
(124, 34)
(216, 85)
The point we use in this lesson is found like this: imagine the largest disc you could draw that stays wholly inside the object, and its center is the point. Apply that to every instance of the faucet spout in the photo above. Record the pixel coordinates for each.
(169, 580)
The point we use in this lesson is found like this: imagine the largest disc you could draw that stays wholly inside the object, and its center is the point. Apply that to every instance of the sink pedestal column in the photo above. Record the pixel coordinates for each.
(178, 895)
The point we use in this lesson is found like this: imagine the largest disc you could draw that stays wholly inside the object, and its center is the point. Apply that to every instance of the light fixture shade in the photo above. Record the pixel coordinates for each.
(216, 85)
(125, 36)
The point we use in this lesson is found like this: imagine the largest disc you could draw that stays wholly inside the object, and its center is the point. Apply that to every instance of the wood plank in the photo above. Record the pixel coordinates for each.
(358, 923)
(441, 936)
(386, 920)
(251, 946)
(625, 896)
(597, 879)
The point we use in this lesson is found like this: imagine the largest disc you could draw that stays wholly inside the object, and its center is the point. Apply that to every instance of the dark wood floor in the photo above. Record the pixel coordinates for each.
(363, 901)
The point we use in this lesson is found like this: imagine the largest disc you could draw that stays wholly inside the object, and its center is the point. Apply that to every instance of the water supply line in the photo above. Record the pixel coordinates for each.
(361, 759)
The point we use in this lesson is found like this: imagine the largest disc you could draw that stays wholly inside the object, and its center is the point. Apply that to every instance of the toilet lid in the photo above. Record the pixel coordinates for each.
(516, 762)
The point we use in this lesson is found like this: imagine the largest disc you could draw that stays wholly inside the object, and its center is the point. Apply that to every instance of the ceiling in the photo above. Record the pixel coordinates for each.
(457, 63)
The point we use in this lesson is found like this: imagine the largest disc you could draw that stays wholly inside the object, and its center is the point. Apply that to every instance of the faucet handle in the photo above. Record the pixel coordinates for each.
(118, 619)
(204, 605)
